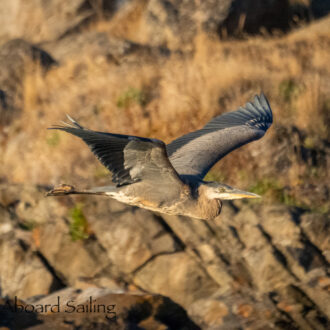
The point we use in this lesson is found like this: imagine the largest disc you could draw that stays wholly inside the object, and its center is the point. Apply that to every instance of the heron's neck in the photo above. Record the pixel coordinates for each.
(204, 207)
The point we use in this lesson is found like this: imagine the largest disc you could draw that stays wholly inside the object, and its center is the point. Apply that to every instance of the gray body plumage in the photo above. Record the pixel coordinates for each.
(169, 179)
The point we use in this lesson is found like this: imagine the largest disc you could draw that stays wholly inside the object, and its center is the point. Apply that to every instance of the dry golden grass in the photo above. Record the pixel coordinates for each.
(127, 23)
(167, 100)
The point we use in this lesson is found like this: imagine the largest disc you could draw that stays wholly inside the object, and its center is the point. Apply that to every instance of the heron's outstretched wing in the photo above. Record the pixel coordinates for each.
(193, 154)
(129, 158)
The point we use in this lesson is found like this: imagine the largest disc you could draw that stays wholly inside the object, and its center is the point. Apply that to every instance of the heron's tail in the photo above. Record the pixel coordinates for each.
(65, 189)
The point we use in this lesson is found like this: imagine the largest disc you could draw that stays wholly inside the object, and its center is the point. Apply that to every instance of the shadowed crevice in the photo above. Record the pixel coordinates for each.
(179, 244)
(236, 235)
(58, 281)
(314, 250)
(308, 305)
(286, 322)
(280, 257)
(136, 270)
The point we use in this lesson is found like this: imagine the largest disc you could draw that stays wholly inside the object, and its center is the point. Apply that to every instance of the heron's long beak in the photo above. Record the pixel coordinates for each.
(233, 193)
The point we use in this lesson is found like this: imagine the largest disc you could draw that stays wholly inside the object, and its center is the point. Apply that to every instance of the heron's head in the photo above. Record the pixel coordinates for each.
(216, 190)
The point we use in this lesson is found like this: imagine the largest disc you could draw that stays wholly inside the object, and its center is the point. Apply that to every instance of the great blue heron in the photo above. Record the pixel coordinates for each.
(169, 178)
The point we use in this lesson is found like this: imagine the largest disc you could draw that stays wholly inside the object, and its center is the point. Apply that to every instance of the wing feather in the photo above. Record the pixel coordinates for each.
(129, 158)
(193, 154)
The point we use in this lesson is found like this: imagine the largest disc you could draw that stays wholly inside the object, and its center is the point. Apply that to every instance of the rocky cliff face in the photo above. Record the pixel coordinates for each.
(161, 69)
(259, 266)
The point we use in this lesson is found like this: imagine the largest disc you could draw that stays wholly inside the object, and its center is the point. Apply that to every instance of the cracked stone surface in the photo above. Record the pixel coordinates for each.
(254, 265)
(113, 311)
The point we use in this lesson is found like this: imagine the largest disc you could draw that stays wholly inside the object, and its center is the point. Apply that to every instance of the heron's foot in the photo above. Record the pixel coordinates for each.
(60, 190)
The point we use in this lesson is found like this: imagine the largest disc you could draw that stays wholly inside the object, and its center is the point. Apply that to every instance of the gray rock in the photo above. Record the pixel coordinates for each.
(262, 249)
(176, 23)
(259, 265)
(43, 226)
(38, 20)
(315, 228)
(72, 261)
(16, 57)
(70, 308)
(181, 278)
(102, 46)
(130, 237)
(22, 273)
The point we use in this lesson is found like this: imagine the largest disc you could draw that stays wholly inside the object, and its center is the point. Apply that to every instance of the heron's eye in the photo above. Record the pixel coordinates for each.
(221, 189)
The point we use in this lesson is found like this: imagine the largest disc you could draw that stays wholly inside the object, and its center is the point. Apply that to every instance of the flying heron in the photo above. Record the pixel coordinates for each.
(169, 178)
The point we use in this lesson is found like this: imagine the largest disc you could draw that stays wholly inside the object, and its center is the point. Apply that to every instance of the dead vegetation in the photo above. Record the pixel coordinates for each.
(172, 98)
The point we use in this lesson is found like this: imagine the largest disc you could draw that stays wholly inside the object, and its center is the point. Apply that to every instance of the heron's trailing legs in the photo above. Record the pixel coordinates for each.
(65, 189)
